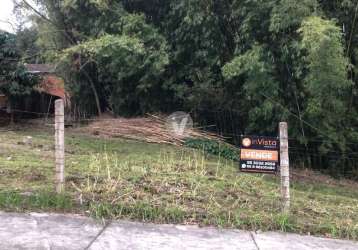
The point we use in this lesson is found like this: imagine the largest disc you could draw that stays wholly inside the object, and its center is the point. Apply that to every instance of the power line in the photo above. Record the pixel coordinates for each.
(290, 138)
(297, 117)
(329, 151)
(24, 111)
(324, 156)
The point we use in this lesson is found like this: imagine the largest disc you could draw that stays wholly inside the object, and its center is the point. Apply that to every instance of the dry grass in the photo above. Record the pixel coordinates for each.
(152, 129)
(117, 178)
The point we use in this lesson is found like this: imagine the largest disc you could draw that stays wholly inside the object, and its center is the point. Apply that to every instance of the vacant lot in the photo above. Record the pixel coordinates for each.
(115, 178)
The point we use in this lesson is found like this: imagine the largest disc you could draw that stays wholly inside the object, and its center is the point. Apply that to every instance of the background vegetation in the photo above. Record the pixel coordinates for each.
(242, 65)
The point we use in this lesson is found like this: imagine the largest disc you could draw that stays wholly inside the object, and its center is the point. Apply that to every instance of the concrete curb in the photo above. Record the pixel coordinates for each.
(55, 231)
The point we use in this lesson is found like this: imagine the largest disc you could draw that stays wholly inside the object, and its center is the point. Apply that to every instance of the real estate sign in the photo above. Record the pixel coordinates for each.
(259, 154)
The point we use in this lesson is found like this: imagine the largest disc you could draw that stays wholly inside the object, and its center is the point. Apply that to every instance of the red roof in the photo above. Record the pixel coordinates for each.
(40, 68)
(53, 85)
(50, 84)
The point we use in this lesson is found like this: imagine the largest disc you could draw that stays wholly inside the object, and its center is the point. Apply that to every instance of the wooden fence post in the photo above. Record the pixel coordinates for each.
(284, 167)
(59, 144)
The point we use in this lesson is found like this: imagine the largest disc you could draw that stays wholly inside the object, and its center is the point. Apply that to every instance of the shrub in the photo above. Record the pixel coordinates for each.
(213, 147)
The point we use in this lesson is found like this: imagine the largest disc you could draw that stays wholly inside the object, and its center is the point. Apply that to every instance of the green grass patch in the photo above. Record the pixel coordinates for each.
(42, 201)
(144, 212)
(122, 179)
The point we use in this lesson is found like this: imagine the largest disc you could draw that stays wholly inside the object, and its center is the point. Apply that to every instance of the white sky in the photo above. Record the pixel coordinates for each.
(6, 7)
(6, 15)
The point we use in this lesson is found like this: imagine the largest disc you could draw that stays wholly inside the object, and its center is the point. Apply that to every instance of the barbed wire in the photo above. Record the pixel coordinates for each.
(77, 119)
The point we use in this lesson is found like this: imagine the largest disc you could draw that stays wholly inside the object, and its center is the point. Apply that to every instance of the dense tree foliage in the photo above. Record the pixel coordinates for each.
(256, 61)
(8, 57)
(14, 81)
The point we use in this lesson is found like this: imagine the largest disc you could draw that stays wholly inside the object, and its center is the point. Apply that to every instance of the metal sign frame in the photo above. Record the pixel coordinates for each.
(260, 154)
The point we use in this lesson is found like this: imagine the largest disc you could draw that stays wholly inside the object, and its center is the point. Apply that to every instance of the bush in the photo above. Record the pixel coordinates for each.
(221, 149)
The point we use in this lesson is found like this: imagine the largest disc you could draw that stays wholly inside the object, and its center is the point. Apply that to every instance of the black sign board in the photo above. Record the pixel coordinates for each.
(259, 154)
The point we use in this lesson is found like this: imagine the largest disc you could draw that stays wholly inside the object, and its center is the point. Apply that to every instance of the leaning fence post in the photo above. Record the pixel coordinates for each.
(284, 167)
(59, 144)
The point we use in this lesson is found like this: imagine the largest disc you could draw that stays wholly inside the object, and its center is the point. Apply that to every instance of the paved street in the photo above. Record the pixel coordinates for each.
(52, 231)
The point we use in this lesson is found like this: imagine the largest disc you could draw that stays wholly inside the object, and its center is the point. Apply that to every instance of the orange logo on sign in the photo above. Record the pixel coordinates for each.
(246, 142)
(259, 155)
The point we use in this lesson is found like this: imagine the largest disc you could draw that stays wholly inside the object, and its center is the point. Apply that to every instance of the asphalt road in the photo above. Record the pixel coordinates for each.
(53, 231)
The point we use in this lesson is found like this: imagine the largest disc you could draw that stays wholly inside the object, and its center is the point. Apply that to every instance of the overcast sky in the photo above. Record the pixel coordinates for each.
(6, 7)
(6, 15)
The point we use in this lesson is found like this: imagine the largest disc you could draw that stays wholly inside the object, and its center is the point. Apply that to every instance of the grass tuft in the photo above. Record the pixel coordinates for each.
(13, 201)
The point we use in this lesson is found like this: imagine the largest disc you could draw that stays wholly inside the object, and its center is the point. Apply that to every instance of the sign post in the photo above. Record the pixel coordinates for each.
(285, 167)
(59, 144)
(259, 154)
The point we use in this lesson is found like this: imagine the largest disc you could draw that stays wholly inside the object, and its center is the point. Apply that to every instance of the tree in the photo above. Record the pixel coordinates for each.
(325, 80)
(8, 57)
(14, 81)
(264, 61)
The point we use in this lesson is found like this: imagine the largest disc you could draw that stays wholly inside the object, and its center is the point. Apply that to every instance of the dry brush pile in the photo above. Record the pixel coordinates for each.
(152, 129)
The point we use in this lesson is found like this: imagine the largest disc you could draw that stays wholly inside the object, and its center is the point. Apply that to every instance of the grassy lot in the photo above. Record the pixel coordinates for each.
(116, 178)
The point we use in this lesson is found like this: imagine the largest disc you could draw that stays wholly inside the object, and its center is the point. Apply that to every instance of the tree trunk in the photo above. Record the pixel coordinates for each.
(95, 93)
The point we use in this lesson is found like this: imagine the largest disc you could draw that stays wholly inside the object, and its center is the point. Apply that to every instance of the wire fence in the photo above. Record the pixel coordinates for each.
(309, 152)
(228, 125)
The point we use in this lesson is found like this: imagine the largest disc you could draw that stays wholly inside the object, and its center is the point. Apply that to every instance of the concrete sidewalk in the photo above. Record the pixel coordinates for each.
(53, 231)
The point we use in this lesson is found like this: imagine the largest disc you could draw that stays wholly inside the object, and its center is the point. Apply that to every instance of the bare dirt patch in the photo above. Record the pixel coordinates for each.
(310, 176)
